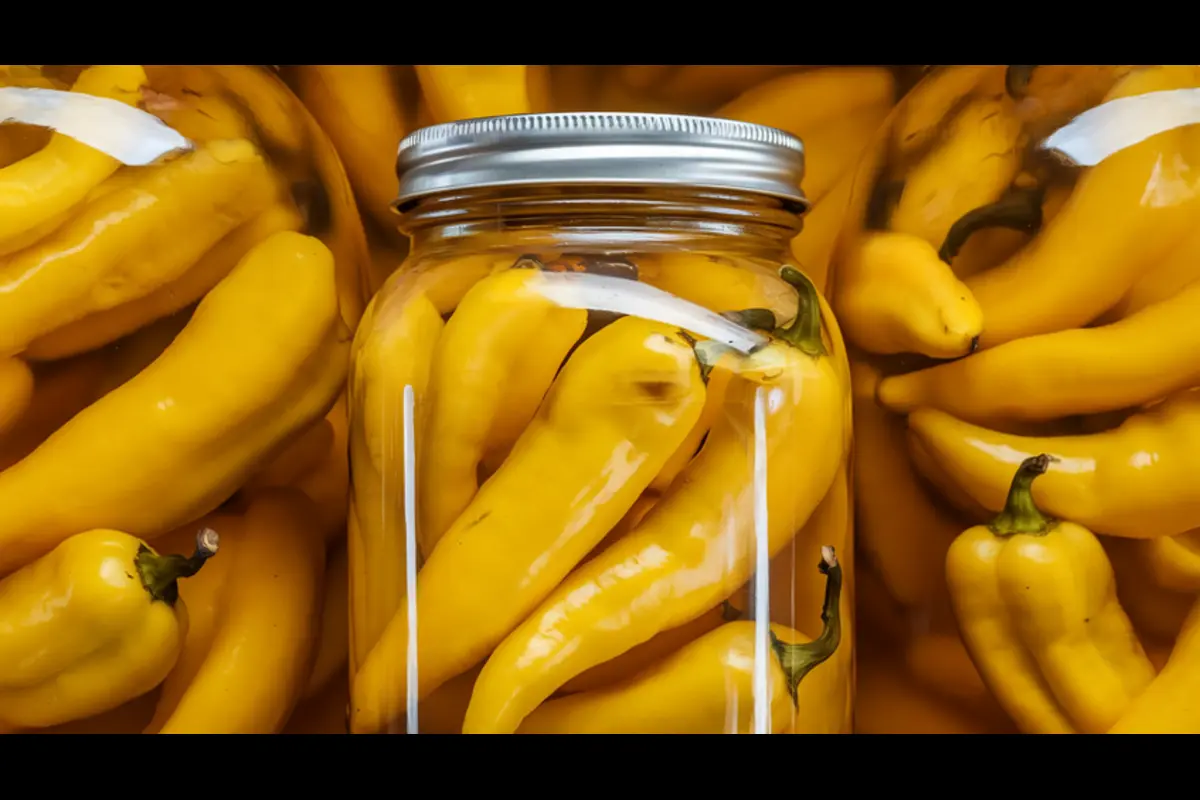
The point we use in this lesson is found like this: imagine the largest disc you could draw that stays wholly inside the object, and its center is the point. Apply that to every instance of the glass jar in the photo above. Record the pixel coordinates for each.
(1019, 238)
(181, 271)
(599, 436)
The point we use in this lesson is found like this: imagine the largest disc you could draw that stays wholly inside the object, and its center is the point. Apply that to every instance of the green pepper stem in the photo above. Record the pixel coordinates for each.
(756, 319)
(797, 660)
(1021, 514)
(1018, 210)
(805, 331)
(160, 573)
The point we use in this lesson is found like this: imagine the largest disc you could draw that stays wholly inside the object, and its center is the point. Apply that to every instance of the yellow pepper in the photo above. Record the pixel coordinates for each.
(1174, 561)
(335, 626)
(1036, 602)
(198, 279)
(835, 111)
(624, 401)
(204, 595)
(902, 529)
(504, 325)
(91, 625)
(129, 243)
(1125, 214)
(893, 295)
(466, 91)
(1135, 480)
(696, 689)
(40, 188)
(1079, 371)
(265, 636)
(1171, 704)
(393, 348)
(694, 548)
(16, 391)
(241, 378)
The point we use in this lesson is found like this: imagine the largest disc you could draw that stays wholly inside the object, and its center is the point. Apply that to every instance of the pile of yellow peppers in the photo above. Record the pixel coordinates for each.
(368, 109)
(1024, 402)
(174, 344)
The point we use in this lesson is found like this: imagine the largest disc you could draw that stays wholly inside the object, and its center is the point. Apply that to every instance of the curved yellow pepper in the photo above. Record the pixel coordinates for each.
(492, 365)
(393, 348)
(108, 325)
(1171, 704)
(1135, 480)
(91, 625)
(834, 110)
(1125, 214)
(694, 548)
(204, 595)
(622, 404)
(16, 391)
(1174, 561)
(130, 242)
(331, 649)
(233, 387)
(902, 530)
(43, 186)
(1081, 371)
(694, 690)
(466, 91)
(895, 295)
(1037, 604)
(263, 647)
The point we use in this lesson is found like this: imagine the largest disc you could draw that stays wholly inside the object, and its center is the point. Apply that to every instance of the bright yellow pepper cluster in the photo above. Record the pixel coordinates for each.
(174, 345)
(626, 442)
(367, 109)
(1019, 329)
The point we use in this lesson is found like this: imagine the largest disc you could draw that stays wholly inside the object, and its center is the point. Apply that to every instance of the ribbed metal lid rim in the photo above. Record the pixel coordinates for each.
(586, 148)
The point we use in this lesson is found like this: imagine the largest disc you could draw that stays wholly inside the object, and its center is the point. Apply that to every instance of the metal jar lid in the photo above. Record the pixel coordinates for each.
(601, 149)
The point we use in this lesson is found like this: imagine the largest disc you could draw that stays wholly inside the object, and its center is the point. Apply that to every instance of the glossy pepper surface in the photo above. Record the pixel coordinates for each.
(1036, 601)
(690, 552)
(1135, 480)
(92, 624)
(624, 402)
(691, 691)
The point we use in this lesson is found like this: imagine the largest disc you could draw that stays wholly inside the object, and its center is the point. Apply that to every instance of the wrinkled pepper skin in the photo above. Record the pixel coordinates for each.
(1036, 601)
(502, 326)
(693, 549)
(91, 625)
(242, 377)
(1171, 704)
(623, 403)
(692, 690)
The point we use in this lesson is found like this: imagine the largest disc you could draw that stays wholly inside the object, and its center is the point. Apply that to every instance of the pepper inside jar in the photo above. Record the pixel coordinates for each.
(599, 436)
